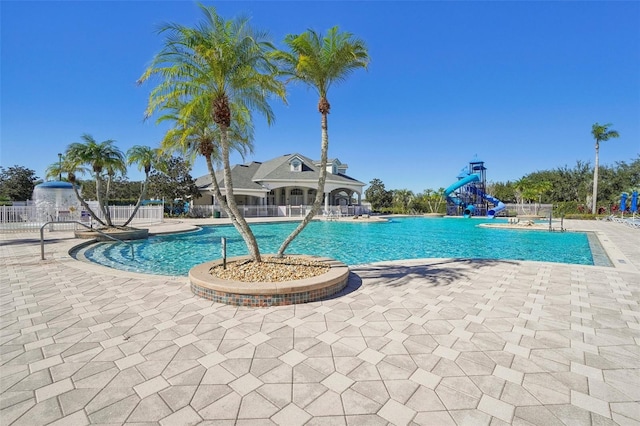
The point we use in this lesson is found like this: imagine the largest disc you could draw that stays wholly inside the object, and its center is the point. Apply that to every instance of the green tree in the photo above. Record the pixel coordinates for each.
(319, 62)
(570, 187)
(522, 194)
(17, 183)
(503, 191)
(103, 159)
(402, 199)
(537, 190)
(627, 175)
(568, 184)
(58, 170)
(420, 203)
(600, 133)
(436, 200)
(225, 65)
(69, 170)
(123, 191)
(197, 135)
(173, 182)
(377, 195)
(146, 158)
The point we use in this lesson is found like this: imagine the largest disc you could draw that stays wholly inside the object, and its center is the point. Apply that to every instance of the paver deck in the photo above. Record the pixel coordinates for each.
(428, 342)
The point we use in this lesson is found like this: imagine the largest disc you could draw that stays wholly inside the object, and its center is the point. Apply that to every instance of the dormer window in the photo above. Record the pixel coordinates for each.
(296, 165)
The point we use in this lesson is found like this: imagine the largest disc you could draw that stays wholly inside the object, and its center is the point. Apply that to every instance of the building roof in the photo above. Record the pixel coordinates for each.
(251, 176)
(242, 175)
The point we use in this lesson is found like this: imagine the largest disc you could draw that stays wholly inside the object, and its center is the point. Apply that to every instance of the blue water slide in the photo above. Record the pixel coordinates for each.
(499, 205)
(462, 182)
(468, 211)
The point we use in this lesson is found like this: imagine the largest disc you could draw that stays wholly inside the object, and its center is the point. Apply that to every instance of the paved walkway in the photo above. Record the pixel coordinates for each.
(430, 342)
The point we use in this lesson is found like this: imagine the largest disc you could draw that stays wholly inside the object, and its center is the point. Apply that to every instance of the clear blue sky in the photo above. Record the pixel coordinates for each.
(518, 84)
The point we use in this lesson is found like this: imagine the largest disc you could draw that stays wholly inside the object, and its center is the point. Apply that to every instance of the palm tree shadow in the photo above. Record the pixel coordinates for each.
(354, 282)
(439, 273)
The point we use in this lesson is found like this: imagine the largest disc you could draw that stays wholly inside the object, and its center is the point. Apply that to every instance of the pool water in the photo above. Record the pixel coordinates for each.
(353, 243)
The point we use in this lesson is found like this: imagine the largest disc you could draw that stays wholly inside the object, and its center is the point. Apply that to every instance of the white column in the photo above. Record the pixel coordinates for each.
(326, 201)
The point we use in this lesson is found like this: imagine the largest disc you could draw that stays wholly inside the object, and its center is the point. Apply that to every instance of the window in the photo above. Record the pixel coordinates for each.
(296, 197)
(296, 166)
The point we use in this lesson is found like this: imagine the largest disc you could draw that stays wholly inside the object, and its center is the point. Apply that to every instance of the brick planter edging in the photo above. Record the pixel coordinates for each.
(238, 293)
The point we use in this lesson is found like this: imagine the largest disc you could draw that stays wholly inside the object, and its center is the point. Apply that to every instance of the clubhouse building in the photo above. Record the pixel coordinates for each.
(283, 186)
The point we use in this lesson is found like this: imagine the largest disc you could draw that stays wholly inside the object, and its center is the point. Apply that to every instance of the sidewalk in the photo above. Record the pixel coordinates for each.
(431, 341)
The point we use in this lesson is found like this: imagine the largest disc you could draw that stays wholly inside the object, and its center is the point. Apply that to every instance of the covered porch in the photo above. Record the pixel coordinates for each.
(283, 201)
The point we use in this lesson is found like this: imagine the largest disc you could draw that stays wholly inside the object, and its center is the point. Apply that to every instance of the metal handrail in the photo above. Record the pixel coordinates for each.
(79, 223)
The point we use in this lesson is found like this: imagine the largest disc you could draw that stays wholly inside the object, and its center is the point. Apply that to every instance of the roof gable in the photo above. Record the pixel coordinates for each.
(280, 167)
(254, 174)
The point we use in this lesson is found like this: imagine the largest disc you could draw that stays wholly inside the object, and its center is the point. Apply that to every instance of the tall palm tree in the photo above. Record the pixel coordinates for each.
(600, 133)
(103, 158)
(320, 62)
(146, 158)
(224, 64)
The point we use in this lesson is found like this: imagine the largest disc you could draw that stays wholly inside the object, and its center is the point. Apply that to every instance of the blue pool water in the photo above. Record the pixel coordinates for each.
(353, 243)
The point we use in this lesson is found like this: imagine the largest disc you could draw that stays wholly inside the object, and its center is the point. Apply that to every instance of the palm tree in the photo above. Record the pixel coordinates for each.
(600, 133)
(222, 64)
(196, 134)
(521, 187)
(537, 190)
(72, 169)
(146, 158)
(402, 198)
(103, 158)
(320, 62)
(434, 199)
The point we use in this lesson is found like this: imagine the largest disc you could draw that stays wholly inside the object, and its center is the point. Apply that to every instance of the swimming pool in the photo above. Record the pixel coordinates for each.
(353, 243)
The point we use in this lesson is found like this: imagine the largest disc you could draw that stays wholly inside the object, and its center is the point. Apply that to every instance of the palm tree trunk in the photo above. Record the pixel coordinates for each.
(99, 197)
(218, 193)
(594, 198)
(85, 205)
(143, 195)
(240, 223)
(107, 195)
(324, 150)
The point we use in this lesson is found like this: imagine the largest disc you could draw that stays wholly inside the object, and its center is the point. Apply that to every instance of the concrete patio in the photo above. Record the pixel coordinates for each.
(427, 342)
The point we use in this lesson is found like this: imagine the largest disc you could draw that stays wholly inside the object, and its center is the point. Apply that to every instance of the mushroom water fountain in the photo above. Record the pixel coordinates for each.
(56, 201)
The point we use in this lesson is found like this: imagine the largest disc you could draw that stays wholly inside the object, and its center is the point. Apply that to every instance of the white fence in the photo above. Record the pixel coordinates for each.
(145, 214)
(276, 211)
(250, 211)
(530, 209)
(26, 218)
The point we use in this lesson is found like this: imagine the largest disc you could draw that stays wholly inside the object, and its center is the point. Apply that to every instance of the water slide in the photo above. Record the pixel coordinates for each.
(499, 205)
(468, 212)
(462, 182)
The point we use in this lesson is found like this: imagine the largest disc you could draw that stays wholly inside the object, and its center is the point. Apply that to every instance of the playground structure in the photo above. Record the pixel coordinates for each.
(467, 196)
